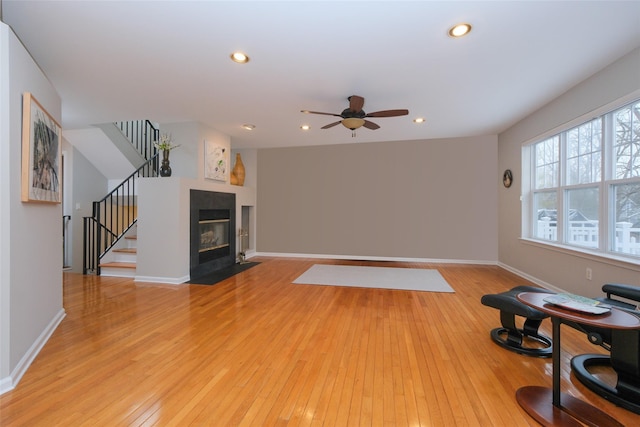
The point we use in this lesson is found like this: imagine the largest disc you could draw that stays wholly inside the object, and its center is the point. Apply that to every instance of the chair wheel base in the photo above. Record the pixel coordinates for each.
(580, 367)
(497, 335)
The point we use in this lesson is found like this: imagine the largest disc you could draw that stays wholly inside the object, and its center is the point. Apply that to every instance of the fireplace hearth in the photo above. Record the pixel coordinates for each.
(212, 244)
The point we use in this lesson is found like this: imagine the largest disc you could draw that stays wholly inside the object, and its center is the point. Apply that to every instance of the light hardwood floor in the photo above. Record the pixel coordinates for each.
(257, 350)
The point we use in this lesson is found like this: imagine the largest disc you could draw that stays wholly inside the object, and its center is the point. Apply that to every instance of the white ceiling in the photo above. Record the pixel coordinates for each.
(168, 61)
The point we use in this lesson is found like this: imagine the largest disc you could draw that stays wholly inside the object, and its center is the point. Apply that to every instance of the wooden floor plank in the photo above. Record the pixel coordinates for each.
(256, 349)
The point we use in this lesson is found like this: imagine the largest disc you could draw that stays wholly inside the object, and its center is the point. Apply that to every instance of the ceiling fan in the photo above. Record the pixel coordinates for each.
(354, 116)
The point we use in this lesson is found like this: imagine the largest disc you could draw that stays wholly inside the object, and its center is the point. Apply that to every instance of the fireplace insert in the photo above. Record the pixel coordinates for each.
(213, 228)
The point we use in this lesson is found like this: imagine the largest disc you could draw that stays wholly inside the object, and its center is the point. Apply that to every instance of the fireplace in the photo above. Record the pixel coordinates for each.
(212, 231)
(214, 234)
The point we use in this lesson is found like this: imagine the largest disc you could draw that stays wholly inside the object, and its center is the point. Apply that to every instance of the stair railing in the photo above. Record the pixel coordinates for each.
(142, 134)
(112, 217)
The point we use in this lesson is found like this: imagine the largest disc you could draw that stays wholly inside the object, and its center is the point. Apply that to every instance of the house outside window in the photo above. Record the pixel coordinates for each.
(583, 188)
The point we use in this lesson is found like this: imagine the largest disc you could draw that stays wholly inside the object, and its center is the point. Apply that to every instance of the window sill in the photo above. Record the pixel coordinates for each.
(611, 259)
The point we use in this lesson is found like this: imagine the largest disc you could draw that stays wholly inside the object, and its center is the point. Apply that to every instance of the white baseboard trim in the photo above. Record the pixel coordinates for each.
(374, 258)
(163, 280)
(249, 253)
(535, 280)
(7, 384)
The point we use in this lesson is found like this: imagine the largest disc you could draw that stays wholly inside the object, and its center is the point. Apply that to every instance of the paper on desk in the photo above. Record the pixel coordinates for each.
(578, 303)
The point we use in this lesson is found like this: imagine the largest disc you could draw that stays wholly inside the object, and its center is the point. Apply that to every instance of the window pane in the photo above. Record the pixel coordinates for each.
(596, 165)
(546, 163)
(583, 153)
(582, 217)
(546, 208)
(627, 217)
(573, 170)
(627, 141)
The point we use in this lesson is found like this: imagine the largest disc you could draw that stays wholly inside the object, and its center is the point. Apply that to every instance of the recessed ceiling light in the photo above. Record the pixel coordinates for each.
(418, 120)
(248, 126)
(305, 127)
(239, 57)
(460, 30)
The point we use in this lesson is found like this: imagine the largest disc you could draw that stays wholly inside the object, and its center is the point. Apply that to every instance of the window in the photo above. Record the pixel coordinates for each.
(584, 188)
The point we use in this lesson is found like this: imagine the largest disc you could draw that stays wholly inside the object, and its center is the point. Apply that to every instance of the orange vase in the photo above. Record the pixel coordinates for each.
(238, 170)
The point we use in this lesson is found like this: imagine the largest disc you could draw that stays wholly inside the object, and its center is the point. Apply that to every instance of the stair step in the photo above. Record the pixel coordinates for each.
(132, 241)
(127, 250)
(119, 265)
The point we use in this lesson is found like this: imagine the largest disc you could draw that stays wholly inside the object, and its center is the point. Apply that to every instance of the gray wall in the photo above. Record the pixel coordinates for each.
(31, 233)
(431, 199)
(562, 268)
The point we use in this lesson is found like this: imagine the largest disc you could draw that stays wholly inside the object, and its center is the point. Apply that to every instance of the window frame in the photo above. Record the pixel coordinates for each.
(605, 186)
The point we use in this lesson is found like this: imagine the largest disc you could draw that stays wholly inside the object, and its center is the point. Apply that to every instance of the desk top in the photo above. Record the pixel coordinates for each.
(614, 319)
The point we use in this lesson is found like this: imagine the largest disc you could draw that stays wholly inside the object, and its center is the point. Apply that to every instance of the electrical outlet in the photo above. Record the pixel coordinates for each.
(588, 274)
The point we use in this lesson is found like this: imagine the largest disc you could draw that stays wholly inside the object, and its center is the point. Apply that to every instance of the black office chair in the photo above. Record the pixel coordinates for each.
(624, 348)
(510, 336)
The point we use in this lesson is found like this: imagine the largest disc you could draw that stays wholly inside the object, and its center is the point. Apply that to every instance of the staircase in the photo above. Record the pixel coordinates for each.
(110, 232)
(123, 259)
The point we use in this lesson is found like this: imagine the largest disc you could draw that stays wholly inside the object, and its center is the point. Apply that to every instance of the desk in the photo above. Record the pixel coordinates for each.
(552, 407)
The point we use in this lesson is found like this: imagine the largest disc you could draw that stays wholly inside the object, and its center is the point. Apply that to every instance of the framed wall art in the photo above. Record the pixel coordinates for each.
(216, 161)
(41, 153)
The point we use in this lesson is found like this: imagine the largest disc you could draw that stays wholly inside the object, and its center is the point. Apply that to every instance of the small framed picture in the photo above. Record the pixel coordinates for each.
(41, 153)
(507, 178)
(216, 160)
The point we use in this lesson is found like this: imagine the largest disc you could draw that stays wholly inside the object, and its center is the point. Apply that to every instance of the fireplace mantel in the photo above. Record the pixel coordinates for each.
(164, 225)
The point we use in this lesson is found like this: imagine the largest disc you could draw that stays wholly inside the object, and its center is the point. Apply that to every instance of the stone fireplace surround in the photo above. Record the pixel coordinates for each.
(201, 202)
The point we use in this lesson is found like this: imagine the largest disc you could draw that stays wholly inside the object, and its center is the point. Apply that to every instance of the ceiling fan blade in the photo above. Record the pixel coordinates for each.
(370, 125)
(330, 125)
(356, 103)
(318, 112)
(388, 113)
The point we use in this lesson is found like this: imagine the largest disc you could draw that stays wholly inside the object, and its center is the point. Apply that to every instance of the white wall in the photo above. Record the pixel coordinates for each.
(87, 185)
(187, 161)
(31, 261)
(184, 160)
(562, 269)
(5, 218)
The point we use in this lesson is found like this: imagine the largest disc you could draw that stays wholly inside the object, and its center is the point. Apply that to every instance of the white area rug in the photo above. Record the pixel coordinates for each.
(410, 279)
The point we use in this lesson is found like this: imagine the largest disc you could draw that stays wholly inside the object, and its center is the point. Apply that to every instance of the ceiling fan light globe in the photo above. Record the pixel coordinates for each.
(352, 123)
